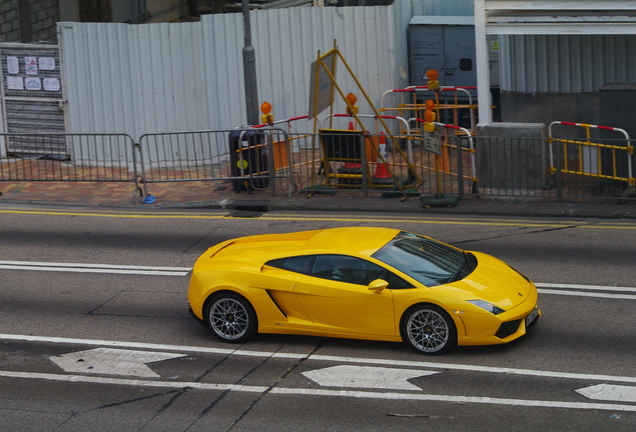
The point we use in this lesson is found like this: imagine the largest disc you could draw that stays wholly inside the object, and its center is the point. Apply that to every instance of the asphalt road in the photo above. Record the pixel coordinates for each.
(106, 343)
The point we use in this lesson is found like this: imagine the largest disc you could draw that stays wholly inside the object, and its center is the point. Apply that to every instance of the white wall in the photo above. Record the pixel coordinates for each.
(137, 79)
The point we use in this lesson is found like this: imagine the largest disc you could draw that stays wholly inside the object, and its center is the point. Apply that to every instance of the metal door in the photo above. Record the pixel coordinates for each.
(459, 57)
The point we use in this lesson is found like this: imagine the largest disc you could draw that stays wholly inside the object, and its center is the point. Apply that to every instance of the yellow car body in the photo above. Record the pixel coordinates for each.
(280, 300)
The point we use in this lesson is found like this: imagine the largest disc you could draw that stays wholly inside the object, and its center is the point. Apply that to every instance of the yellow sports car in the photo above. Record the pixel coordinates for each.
(361, 283)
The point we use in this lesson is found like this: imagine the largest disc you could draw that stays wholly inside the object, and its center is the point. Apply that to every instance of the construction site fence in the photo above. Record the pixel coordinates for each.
(559, 168)
(243, 159)
(70, 157)
(273, 161)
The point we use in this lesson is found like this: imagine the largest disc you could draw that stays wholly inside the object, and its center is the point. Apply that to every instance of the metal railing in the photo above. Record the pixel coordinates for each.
(248, 159)
(513, 166)
(274, 161)
(70, 157)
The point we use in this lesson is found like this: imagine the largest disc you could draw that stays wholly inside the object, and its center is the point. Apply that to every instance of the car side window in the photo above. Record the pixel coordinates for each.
(347, 269)
(396, 282)
(299, 264)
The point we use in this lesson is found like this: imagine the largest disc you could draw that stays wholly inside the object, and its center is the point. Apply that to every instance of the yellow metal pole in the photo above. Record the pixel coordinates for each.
(379, 116)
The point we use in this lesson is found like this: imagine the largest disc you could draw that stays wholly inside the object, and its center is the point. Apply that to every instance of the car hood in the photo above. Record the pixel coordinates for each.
(493, 281)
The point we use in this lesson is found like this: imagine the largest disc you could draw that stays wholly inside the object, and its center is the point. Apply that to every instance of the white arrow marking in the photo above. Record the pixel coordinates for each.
(109, 361)
(321, 392)
(366, 377)
(609, 392)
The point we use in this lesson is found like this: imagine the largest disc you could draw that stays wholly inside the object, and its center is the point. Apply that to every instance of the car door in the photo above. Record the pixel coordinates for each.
(336, 297)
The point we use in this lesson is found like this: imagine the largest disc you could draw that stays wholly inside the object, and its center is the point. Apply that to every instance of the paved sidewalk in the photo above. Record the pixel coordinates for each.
(209, 194)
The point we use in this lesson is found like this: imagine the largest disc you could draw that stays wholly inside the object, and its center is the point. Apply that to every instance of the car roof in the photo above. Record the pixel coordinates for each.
(349, 240)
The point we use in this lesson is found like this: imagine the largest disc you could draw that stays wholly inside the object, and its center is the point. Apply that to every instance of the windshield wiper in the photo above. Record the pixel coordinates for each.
(465, 269)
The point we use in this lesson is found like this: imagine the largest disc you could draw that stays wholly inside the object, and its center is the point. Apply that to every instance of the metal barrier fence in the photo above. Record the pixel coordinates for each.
(606, 162)
(372, 165)
(69, 157)
(273, 161)
(597, 169)
(536, 167)
(249, 159)
(512, 166)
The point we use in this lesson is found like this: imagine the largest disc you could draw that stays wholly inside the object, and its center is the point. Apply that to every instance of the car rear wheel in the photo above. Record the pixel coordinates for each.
(428, 329)
(231, 317)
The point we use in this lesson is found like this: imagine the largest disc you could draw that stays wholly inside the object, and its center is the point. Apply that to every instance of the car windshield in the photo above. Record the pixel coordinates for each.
(426, 260)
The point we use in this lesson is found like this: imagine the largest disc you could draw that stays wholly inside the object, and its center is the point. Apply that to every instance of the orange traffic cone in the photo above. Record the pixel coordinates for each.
(351, 165)
(382, 174)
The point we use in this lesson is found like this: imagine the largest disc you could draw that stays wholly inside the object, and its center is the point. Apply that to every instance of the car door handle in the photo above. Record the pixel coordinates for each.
(303, 291)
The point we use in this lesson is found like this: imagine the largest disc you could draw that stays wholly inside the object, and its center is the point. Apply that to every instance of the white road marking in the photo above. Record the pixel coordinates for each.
(184, 271)
(132, 382)
(366, 377)
(609, 392)
(110, 361)
(351, 360)
(579, 290)
(95, 268)
(317, 392)
(585, 287)
(587, 294)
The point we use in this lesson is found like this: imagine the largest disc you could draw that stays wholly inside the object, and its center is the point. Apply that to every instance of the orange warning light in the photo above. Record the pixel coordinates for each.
(432, 74)
(351, 100)
(429, 104)
(266, 107)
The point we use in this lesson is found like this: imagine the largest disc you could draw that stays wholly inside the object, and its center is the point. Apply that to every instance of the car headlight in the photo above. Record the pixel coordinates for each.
(487, 306)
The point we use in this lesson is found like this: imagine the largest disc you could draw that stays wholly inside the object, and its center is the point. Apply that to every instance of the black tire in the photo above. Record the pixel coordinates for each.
(231, 317)
(428, 329)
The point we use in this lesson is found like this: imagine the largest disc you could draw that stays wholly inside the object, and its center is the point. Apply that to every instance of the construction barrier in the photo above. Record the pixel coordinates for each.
(609, 162)
(273, 161)
(244, 158)
(71, 157)
(462, 99)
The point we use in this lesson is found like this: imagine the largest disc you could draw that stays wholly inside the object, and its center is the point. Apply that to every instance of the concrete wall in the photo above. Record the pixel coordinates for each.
(548, 107)
(613, 106)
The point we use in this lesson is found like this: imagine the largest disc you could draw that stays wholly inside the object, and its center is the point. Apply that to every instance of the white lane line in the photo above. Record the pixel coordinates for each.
(336, 359)
(183, 271)
(95, 268)
(587, 294)
(318, 392)
(585, 287)
(132, 382)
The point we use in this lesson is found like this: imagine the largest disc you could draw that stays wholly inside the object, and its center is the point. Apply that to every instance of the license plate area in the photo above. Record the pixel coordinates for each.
(533, 315)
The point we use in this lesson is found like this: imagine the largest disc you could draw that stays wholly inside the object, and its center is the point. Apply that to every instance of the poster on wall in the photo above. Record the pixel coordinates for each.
(33, 83)
(51, 84)
(12, 65)
(15, 83)
(46, 63)
(31, 65)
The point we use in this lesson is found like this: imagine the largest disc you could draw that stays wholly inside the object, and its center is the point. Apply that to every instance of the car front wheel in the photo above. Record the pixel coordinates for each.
(231, 317)
(428, 329)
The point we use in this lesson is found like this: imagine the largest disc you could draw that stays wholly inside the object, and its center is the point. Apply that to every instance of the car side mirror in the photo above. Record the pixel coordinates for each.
(378, 285)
